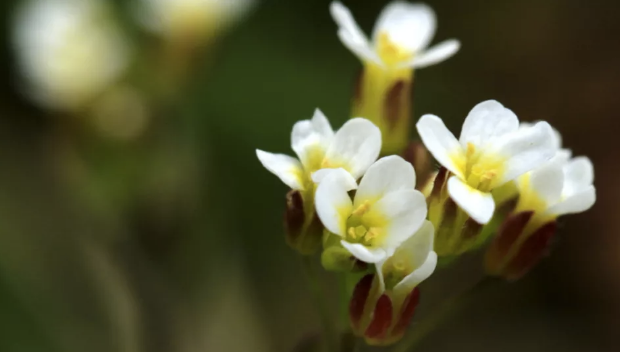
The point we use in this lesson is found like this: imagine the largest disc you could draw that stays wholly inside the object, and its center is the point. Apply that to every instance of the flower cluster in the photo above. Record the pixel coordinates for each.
(502, 183)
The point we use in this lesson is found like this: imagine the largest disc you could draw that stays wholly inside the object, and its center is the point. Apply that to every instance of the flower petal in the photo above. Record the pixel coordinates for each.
(524, 150)
(441, 143)
(548, 181)
(557, 137)
(310, 138)
(355, 147)
(287, 168)
(410, 26)
(417, 247)
(479, 205)
(417, 276)
(578, 175)
(388, 174)
(332, 202)
(576, 203)
(365, 254)
(487, 121)
(404, 212)
(350, 33)
(436, 54)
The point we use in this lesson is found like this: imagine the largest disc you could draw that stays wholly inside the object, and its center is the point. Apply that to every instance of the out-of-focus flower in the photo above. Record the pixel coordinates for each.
(383, 305)
(562, 186)
(385, 212)
(399, 44)
(492, 150)
(195, 19)
(354, 147)
(69, 51)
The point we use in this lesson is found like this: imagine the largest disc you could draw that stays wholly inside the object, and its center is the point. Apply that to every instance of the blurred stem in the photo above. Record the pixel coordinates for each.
(343, 301)
(329, 330)
(447, 309)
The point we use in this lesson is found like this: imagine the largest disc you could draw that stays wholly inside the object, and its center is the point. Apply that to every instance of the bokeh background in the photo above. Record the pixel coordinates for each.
(171, 239)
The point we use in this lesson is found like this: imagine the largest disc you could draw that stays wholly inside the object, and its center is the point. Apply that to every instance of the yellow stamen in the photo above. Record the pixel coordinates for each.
(362, 209)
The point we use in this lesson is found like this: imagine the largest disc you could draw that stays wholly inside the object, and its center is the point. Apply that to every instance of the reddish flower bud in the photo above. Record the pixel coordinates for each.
(417, 154)
(380, 318)
(519, 245)
(303, 229)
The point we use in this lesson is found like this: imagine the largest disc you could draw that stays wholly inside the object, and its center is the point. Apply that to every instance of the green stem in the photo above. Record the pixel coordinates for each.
(447, 309)
(329, 331)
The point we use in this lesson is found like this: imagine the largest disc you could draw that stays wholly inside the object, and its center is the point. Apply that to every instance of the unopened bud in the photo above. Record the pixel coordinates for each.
(417, 154)
(381, 318)
(533, 249)
(303, 228)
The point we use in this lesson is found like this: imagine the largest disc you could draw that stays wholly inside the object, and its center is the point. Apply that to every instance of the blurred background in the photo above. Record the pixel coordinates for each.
(134, 215)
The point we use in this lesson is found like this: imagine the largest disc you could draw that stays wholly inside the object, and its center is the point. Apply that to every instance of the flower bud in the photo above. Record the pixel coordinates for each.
(380, 318)
(417, 154)
(303, 229)
(520, 243)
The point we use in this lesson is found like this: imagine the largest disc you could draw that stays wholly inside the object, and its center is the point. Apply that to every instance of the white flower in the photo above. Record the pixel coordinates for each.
(412, 262)
(400, 38)
(492, 150)
(385, 212)
(190, 17)
(354, 148)
(68, 50)
(564, 185)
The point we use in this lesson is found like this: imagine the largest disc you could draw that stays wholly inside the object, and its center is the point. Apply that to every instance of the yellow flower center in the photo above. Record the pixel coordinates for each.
(480, 170)
(365, 226)
(389, 52)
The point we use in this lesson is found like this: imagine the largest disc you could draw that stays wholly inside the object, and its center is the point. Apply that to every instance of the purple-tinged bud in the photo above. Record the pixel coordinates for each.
(380, 318)
(303, 229)
(520, 243)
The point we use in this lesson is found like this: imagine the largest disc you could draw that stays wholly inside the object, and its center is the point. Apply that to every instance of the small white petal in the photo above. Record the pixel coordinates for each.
(311, 136)
(365, 254)
(578, 175)
(435, 54)
(332, 202)
(417, 247)
(487, 121)
(355, 147)
(479, 205)
(388, 174)
(343, 17)
(350, 33)
(405, 212)
(548, 181)
(576, 203)
(417, 276)
(320, 175)
(287, 168)
(362, 50)
(524, 150)
(410, 26)
(441, 143)
(557, 137)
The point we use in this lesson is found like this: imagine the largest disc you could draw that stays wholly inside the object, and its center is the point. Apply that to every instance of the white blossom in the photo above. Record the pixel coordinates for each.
(491, 151)
(69, 51)
(385, 212)
(400, 38)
